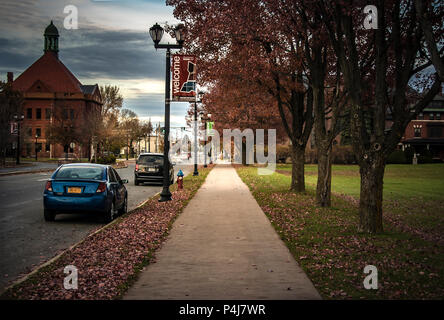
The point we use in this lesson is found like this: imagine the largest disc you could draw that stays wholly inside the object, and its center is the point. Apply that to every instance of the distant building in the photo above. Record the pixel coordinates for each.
(48, 84)
(150, 143)
(426, 132)
(147, 144)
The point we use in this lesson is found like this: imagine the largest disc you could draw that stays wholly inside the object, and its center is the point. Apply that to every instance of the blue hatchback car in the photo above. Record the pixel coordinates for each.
(78, 187)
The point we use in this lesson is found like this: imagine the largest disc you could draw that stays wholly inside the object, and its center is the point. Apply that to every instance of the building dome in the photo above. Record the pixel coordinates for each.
(51, 30)
(51, 37)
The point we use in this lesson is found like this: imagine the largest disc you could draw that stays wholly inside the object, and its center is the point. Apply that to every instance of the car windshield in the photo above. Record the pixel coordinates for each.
(151, 160)
(94, 173)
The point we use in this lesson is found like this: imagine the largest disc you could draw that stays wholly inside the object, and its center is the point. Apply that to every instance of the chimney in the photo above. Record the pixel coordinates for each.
(10, 77)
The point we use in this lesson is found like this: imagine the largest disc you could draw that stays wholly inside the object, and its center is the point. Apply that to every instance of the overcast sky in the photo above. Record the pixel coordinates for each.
(111, 46)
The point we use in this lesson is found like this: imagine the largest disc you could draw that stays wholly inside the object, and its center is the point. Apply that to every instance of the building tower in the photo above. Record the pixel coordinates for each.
(51, 39)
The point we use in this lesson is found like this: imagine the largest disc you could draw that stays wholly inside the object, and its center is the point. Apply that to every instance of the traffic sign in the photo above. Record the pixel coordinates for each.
(210, 125)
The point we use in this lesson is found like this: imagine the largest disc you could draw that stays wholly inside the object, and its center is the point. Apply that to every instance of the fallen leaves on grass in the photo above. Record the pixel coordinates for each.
(420, 217)
(327, 245)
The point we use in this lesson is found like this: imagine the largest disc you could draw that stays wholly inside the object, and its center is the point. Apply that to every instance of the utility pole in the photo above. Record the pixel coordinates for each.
(18, 119)
(157, 137)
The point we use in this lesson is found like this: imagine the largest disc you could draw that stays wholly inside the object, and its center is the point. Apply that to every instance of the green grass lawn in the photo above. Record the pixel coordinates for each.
(326, 244)
(400, 181)
(413, 194)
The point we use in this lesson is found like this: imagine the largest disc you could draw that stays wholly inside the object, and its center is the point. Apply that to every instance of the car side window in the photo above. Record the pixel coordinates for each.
(112, 177)
(117, 175)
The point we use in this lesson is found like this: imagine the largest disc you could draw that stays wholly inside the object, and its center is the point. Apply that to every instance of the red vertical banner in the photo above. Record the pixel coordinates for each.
(183, 78)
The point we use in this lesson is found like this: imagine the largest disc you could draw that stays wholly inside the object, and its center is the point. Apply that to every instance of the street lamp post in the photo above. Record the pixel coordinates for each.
(211, 149)
(156, 33)
(18, 119)
(149, 142)
(205, 119)
(35, 146)
(157, 137)
(196, 172)
(127, 146)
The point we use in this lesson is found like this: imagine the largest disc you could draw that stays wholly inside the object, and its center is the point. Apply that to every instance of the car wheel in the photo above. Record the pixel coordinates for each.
(124, 208)
(136, 182)
(111, 213)
(49, 215)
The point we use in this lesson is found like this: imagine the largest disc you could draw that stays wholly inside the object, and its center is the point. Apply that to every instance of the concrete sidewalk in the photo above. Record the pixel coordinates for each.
(223, 246)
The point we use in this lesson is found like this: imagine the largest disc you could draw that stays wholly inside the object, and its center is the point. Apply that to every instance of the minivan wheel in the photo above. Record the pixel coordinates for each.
(49, 215)
(136, 182)
(111, 213)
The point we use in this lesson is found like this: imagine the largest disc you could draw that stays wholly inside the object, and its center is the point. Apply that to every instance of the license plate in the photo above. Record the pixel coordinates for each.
(74, 190)
(152, 169)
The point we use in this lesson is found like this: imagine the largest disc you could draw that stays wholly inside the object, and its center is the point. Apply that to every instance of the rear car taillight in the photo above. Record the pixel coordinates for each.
(101, 187)
(137, 167)
(48, 186)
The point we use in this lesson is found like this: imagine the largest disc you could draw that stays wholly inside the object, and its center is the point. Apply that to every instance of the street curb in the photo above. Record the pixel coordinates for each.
(120, 167)
(50, 261)
(145, 201)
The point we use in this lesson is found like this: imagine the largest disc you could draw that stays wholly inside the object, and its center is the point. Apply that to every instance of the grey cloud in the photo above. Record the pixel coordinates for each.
(89, 52)
(111, 54)
(14, 55)
(154, 105)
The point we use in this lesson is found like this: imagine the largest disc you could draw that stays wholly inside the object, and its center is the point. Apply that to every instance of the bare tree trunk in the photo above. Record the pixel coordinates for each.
(372, 143)
(244, 153)
(297, 168)
(3, 157)
(88, 151)
(370, 202)
(427, 28)
(323, 186)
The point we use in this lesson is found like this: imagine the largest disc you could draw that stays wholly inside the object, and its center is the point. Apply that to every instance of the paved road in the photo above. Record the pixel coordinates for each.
(27, 240)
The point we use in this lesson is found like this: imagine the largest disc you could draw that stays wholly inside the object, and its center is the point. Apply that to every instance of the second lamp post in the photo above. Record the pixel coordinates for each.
(200, 95)
(205, 119)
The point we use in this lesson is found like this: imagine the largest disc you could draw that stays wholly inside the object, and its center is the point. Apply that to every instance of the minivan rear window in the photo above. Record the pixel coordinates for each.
(79, 173)
(151, 160)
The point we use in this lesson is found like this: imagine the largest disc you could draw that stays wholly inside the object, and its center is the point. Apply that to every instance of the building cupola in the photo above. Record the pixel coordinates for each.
(51, 39)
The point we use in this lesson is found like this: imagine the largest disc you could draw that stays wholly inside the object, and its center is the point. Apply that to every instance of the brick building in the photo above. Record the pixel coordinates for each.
(49, 87)
(426, 132)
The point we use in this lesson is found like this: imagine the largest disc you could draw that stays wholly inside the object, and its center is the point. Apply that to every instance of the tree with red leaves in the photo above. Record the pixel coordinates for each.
(238, 38)
(285, 47)
(233, 102)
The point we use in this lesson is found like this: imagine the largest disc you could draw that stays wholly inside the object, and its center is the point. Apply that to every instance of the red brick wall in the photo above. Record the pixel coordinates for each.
(410, 132)
(57, 150)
